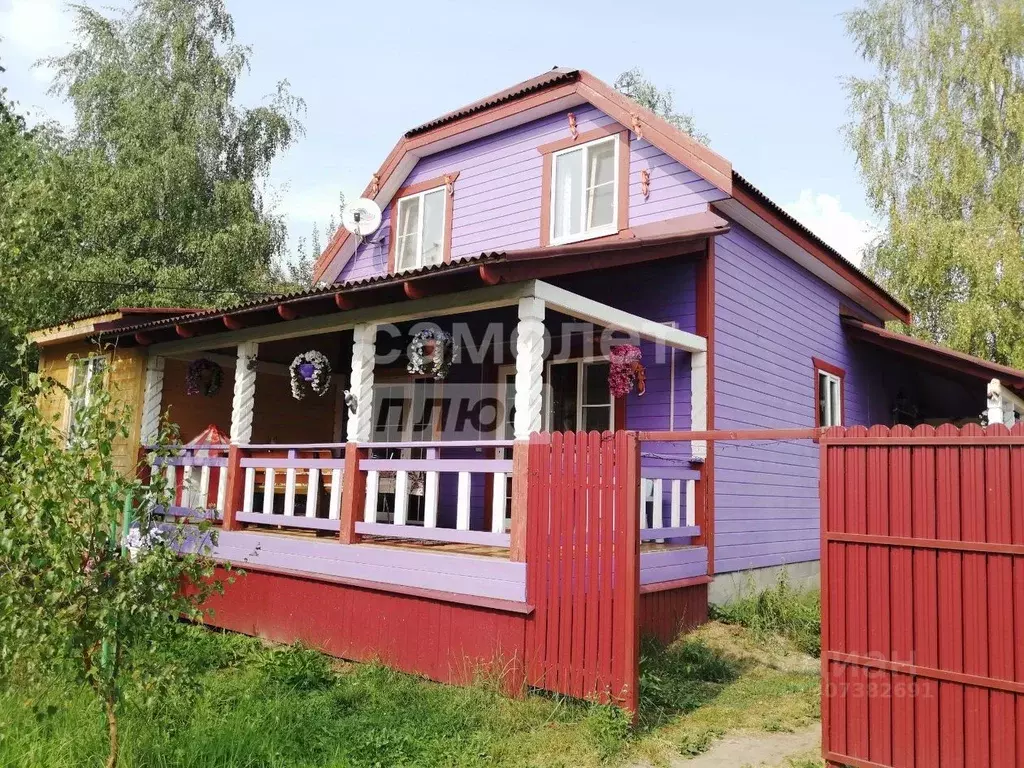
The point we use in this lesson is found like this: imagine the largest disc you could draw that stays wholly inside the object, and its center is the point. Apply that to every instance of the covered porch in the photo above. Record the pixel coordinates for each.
(418, 484)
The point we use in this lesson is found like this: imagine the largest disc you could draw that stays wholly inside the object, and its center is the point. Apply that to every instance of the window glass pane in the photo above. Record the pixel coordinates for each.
(597, 418)
(601, 163)
(568, 193)
(508, 431)
(563, 397)
(823, 409)
(408, 233)
(595, 384)
(601, 206)
(433, 227)
(836, 404)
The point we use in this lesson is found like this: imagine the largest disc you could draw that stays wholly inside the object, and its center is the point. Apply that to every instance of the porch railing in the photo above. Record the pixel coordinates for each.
(198, 478)
(667, 499)
(292, 486)
(406, 495)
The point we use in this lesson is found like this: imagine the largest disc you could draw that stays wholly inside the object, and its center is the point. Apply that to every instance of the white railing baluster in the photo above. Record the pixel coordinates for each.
(312, 491)
(334, 505)
(462, 507)
(204, 487)
(222, 489)
(268, 491)
(401, 497)
(370, 509)
(498, 503)
(656, 519)
(691, 502)
(289, 492)
(430, 498)
(171, 473)
(186, 486)
(250, 489)
(677, 486)
(645, 494)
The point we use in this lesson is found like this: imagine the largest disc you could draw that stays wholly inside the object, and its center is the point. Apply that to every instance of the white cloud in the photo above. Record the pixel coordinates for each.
(824, 216)
(34, 29)
(315, 203)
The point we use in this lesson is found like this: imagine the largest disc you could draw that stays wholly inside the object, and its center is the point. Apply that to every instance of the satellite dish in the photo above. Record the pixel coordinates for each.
(362, 217)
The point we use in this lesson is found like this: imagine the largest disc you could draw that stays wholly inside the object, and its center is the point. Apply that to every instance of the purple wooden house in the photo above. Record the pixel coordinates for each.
(531, 233)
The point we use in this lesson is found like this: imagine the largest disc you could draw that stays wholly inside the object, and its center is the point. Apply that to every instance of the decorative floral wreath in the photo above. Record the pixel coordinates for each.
(203, 377)
(310, 371)
(626, 371)
(430, 354)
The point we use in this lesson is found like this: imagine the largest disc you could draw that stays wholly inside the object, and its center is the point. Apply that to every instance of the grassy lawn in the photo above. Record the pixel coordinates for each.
(291, 708)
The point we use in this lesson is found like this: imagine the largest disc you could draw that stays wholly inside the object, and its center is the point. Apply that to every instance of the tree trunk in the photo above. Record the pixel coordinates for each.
(111, 735)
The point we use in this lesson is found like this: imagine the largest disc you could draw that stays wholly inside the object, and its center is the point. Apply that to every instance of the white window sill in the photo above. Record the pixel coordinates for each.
(591, 235)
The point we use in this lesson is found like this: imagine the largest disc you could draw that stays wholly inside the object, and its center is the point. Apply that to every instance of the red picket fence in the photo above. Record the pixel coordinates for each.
(923, 596)
(583, 566)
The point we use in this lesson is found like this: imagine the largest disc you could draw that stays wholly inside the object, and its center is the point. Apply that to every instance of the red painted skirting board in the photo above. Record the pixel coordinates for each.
(666, 613)
(662, 586)
(447, 642)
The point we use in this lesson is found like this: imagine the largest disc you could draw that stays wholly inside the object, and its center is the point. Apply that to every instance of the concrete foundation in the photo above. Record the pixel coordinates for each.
(729, 586)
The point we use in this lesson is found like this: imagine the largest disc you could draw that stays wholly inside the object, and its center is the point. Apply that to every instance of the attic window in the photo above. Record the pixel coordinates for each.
(421, 224)
(584, 193)
(828, 394)
(419, 241)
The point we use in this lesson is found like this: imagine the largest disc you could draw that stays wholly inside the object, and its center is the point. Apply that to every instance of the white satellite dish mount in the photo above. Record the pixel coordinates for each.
(362, 217)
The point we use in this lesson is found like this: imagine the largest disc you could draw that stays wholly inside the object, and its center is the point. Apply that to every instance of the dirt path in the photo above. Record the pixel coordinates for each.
(757, 749)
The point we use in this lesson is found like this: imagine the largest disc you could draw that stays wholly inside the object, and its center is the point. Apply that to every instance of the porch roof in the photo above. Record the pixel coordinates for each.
(675, 237)
(935, 354)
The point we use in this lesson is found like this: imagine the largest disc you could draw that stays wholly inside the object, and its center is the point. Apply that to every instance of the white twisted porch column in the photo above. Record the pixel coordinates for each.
(152, 398)
(699, 401)
(529, 415)
(360, 423)
(529, 369)
(245, 393)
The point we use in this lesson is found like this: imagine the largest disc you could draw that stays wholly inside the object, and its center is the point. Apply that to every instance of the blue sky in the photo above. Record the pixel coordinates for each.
(763, 80)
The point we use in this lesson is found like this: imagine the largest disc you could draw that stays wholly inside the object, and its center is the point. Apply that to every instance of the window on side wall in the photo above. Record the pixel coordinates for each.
(585, 191)
(86, 379)
(828, 390)
(578, 397)
(420, 230)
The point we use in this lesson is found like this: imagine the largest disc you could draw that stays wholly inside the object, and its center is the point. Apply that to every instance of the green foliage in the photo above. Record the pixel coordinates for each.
(633, 84)
(779, 610)
(938, 132)
(154, 197)
(75, 602)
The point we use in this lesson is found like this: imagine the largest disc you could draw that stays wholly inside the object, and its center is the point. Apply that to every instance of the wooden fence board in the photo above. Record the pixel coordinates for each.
(923, 596)
(583, 577)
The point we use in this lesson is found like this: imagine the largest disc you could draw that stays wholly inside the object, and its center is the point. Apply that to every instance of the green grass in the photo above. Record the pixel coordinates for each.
(780, 610)
(256, 706)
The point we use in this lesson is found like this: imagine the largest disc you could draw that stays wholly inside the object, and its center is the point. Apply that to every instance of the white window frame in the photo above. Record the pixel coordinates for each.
(830, 379)
(585, 234)
(88, 364)
(549, 392)
(419, 197)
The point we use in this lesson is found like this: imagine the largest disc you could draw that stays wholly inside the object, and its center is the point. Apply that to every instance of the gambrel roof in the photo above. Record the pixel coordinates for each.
(562, 89)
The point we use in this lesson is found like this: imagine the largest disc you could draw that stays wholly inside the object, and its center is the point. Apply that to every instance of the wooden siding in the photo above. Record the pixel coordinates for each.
(498, 192)
(277, 416)
(771, 318)
(125, 378)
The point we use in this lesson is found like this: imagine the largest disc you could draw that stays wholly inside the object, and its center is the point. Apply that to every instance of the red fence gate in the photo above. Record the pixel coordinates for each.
(583, 556)
(923, 596)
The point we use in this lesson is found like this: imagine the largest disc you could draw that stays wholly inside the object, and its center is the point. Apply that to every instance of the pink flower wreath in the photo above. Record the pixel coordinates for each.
(626, 371)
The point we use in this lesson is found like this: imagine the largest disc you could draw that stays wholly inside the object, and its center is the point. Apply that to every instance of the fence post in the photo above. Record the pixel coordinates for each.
(236, 488)
(353, 494)
(520, 495)
(629, 474)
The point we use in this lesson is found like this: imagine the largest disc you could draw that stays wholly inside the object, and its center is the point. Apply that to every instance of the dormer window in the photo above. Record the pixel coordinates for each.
(584, 190)
(421, 224)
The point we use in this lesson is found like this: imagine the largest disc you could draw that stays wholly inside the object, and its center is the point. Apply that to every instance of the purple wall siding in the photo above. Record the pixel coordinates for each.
(497, 195)
(673, 564)
(771, 318)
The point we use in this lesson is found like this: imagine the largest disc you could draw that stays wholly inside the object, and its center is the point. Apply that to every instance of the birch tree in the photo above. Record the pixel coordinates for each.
(937, 130)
